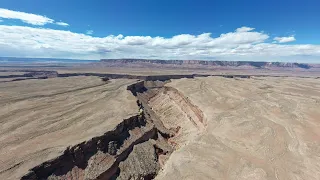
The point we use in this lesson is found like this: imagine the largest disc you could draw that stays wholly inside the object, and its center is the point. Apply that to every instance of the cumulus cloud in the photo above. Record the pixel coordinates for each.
(29, 18)
(244, 29)
(284, 39)
(62, 24)
(237, 45)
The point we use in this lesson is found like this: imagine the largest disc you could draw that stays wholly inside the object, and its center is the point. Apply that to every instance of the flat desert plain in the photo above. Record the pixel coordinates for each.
(224, 128)
(41, 118)
(258, 128)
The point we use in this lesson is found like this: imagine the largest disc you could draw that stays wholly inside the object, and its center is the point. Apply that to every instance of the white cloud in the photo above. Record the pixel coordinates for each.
(62, 24)
(89, 32)
(33, 19)
(136, 40)
(244, 29)
(238, 45)
(29, 18)
(284, 39)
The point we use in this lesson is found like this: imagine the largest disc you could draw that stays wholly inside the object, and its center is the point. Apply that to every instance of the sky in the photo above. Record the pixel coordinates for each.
(252, 30)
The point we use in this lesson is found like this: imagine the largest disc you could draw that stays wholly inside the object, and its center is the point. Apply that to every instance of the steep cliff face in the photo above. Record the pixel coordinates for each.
(199, 63)
(99, 157)
(138, 147)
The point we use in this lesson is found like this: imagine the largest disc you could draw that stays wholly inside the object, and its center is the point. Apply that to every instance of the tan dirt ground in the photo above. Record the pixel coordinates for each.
(259, 128)
(41, 118)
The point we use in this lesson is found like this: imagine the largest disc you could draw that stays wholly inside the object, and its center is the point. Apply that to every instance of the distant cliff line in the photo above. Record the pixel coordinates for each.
(254, 64)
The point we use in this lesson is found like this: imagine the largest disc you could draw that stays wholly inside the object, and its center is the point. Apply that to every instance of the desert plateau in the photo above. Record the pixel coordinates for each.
(87, 122)
(159, 90)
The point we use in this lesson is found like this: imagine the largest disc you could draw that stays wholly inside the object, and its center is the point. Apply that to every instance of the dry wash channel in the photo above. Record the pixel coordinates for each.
(138, 147)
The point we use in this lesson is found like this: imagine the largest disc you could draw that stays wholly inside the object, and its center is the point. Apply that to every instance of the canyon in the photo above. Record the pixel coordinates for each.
(84, 124)
(114, 155)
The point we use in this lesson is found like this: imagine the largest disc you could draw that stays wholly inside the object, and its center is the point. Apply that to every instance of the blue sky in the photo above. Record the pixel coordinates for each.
(218, 30)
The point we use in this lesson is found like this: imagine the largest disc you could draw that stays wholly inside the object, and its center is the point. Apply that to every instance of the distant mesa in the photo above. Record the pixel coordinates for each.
(157, 63)
(201, 64)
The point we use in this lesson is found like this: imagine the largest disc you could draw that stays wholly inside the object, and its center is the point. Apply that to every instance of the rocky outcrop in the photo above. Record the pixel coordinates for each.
(43, 74)
(99, 156)
(177, 118)
(142, 163)
(176, 113)
(106, 77)
(136, 149)
(29, 75)
(33, 74)
(128, 76)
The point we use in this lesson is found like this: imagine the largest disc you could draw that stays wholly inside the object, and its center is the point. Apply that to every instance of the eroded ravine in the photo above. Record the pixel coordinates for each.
(175, 112)
(138, 147)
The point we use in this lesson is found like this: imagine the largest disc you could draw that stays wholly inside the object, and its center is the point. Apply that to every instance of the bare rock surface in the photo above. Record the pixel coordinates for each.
(229, 127)
(258, 128)
(41, 118)
(142, 163)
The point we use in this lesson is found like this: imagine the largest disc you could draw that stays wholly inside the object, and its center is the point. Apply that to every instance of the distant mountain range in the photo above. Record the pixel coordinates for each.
(203, 64)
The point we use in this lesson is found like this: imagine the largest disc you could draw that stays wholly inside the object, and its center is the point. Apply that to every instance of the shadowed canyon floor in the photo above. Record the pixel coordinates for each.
(200, 128)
